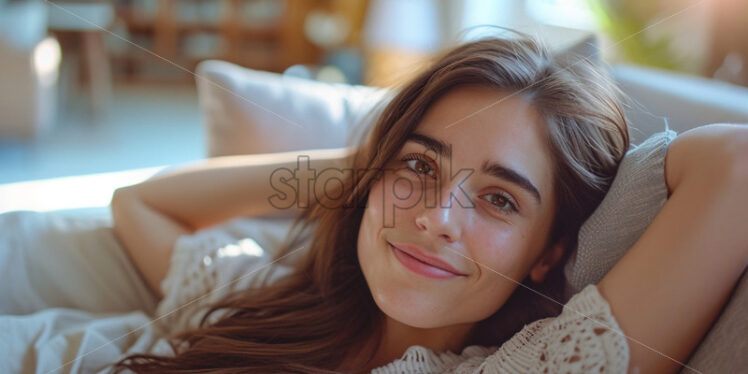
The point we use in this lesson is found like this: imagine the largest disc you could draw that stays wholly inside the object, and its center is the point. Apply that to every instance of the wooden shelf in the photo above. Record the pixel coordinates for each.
(272, 44)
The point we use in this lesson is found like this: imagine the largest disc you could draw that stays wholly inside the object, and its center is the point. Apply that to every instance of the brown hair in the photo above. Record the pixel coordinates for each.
(311, 320)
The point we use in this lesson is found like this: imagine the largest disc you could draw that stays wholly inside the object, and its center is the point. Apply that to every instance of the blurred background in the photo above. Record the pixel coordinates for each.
(91, 87)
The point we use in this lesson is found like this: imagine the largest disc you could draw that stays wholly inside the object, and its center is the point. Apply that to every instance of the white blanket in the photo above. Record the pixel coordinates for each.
(67, 290)
(71, 301)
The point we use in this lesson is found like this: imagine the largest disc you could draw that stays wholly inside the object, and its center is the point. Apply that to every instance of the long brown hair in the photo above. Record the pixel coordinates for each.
(309, 321)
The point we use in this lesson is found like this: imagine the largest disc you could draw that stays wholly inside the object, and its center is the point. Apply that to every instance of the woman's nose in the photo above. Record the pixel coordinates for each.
(445, 218)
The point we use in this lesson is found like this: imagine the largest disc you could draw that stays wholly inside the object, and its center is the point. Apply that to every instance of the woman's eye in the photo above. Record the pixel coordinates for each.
(420, 167)
(502, 202)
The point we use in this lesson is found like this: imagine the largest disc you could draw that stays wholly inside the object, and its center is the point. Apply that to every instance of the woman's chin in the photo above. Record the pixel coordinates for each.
(410, 307)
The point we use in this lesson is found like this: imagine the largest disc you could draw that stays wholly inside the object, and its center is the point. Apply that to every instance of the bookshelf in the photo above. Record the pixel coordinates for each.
(259, 34)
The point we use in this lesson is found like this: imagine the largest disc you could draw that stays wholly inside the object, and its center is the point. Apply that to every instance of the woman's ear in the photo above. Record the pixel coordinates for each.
(547, 261)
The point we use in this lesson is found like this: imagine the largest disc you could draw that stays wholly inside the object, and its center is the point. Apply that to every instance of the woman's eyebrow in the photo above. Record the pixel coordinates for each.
(512, 176)
(440, 147)
(491, 168)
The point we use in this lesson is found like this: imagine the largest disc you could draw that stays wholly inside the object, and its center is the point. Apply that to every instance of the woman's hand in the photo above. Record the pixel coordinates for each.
(667, 290)
(150, 216)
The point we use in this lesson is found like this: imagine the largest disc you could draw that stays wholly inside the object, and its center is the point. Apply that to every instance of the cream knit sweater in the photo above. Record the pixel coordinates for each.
(583, 338)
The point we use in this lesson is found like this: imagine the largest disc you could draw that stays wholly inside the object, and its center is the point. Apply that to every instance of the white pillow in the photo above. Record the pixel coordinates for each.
(636, 195)
(249, 111)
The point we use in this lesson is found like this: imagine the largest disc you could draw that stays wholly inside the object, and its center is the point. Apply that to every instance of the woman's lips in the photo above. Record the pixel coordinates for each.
(418, 266)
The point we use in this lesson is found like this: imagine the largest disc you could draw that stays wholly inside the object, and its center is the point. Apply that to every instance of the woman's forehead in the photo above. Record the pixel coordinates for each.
(482, 106)
(482, 124)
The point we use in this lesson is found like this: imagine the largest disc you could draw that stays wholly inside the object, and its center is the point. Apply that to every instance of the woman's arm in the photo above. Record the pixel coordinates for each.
(667, 290)
(150, 216)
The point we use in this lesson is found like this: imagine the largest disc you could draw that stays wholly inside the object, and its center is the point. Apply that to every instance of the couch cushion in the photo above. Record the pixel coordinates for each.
(636, 195)
(249, 111)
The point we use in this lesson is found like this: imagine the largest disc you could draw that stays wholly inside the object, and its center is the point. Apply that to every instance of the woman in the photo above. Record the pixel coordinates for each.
(466, 199)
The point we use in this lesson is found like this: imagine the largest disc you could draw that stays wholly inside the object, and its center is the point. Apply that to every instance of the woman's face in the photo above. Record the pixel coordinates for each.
(472, 188)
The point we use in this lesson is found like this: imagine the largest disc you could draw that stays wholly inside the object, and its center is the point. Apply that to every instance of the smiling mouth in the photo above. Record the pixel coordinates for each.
(419, 267)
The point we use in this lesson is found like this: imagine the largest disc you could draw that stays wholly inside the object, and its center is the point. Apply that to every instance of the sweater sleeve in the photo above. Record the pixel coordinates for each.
(205, 267)
(584, 338)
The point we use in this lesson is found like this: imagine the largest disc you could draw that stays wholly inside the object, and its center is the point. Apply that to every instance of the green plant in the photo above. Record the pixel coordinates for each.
(626, 23)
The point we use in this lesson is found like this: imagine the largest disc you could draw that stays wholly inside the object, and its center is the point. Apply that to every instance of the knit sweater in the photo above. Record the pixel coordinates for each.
(585, 337)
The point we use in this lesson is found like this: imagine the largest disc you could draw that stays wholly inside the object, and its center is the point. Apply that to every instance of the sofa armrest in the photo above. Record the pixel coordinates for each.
(681, 101)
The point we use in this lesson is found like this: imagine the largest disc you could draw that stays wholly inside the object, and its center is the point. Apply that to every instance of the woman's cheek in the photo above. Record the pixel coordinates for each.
(400, 192)
(370, 227)
(374, 203)
(497, 255)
